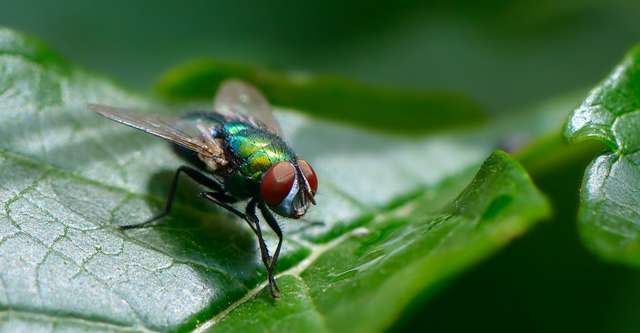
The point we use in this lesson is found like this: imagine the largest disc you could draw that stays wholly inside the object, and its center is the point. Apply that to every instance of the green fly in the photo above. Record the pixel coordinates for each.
(237, 153)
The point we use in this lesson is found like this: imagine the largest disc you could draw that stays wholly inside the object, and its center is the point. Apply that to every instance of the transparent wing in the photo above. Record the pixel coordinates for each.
(164, 127)
(239, 100)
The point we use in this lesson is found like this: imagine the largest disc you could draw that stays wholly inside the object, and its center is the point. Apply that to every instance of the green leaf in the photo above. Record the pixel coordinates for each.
(401, 111)
(67, 177)
(609, 215)
(361, 281)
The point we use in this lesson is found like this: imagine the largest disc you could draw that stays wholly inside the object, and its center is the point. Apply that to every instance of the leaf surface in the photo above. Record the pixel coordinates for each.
(361, 281)
(68, 176)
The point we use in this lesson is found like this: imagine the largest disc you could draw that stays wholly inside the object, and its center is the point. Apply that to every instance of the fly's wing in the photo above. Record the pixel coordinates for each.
(164, 127)
(237, 100)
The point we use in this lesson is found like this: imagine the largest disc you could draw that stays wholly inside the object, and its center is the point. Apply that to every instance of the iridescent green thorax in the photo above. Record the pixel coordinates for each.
(253, 150)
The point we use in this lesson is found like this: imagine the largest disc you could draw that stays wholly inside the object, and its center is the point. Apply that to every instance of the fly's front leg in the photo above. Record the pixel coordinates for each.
(225, 201)
(248, 216)
(266, 259)
(271, 221)
(250, 211)
(194, 174)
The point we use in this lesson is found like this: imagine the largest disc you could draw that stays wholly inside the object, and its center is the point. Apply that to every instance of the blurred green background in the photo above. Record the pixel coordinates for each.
(505, 54)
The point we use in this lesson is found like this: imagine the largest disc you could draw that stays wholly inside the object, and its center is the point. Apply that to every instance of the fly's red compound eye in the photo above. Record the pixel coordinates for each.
(277, 182)
(307, 172)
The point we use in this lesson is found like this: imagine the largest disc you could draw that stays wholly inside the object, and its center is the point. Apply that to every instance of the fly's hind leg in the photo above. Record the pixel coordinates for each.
(196, 175)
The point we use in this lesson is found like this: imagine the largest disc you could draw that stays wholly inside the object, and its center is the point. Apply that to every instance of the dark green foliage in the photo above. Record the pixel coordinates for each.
(400, 111)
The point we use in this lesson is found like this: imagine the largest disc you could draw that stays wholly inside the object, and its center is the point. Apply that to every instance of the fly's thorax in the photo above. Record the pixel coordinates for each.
(233, 128)
(254, 150)
(251, 152)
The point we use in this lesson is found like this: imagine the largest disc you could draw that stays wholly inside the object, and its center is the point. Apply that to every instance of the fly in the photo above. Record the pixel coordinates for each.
(237, 153)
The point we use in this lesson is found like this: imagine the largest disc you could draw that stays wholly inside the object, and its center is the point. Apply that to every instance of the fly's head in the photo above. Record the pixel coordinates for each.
(288, 188)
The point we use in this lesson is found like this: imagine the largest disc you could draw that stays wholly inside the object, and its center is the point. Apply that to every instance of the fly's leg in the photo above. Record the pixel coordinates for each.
(250, 217)
(271, 221)
(225, 202)
(250, 211)
(194, 174)
(266, 259)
